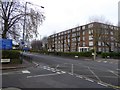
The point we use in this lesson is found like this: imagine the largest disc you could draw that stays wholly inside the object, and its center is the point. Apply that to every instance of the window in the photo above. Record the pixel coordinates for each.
(90, 31)
(83, 32)
(112, 44)
(99, 43)
(106, 31)
(111, 32)
(111, 27)
(104, 26)
(73, 30)
(74, 34)
(83, 27)
(73, 39)
(99, 49)
(103, 44)
(91, 43)
(83, 44)
(90, 37)
(90, 26)
(83, 38)
(79, 28)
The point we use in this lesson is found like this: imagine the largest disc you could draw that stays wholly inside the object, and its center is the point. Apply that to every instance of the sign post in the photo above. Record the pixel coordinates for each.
(5, 44)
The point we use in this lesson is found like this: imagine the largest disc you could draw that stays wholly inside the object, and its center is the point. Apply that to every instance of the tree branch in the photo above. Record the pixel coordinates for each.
(11, 24)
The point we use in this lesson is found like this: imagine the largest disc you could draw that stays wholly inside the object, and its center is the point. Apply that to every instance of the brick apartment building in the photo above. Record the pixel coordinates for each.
(84, 38)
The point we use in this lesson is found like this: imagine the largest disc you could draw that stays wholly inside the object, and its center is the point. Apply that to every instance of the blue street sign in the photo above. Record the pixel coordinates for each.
(22, 43)
(5, 44)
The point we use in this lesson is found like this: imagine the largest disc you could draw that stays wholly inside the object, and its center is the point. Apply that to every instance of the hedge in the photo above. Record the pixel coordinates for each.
(66, 54)
(13, 55)
(111, 55)
(72, 54)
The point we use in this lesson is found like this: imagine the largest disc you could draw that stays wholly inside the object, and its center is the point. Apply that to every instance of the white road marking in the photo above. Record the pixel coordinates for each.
(105, 61)
(25, 71)
(102, 84)
(44, 68)
(113, 73)
(70, 73)
(53, 71)
(89, 79)
(94, 74)
(36, 63)
(57, 70)
(63, 71)
(80, 76)
(43, 75)
(48, 69)
(58, 73)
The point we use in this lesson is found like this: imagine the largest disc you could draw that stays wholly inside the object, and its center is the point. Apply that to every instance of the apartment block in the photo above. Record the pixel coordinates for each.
(84, 38)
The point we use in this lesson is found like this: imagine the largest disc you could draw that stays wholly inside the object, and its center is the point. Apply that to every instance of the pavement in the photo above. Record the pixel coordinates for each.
(24, 64)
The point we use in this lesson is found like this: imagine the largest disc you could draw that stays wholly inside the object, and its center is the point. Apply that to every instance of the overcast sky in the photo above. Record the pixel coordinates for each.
(65, 14)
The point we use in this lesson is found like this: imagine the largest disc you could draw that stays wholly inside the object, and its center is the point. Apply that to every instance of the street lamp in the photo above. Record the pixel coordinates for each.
(24, 26)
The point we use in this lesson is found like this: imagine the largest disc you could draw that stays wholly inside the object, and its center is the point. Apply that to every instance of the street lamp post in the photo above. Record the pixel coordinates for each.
(24, 26)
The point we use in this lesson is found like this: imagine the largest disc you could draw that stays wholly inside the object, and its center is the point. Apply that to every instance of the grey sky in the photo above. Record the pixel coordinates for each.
(65, 14)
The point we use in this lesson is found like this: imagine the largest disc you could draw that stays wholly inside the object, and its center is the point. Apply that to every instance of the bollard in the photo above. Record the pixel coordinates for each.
(72, 69)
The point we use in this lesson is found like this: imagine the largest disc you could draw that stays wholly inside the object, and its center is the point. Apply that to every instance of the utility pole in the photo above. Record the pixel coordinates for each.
(24, 26)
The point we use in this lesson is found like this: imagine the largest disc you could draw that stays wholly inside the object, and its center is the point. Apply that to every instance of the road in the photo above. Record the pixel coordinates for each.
(58, 72)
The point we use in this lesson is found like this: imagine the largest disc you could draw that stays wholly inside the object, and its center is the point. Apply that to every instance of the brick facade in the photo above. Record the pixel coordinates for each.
(84, 38)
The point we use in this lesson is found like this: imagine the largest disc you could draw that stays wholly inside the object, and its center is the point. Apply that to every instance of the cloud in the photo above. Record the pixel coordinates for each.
(65, 14)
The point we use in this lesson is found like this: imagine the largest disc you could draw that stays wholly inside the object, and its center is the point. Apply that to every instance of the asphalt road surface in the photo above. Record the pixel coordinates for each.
(58, 72)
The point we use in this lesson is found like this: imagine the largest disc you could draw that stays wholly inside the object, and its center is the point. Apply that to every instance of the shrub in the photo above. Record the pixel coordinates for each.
(72, 54)
(12, 54)
(111, 55)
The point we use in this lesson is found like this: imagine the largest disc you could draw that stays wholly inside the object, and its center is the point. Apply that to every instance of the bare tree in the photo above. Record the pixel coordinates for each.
(99, 33)
(12, 19)
(44, 41)
(36, 45)
(117, 38)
